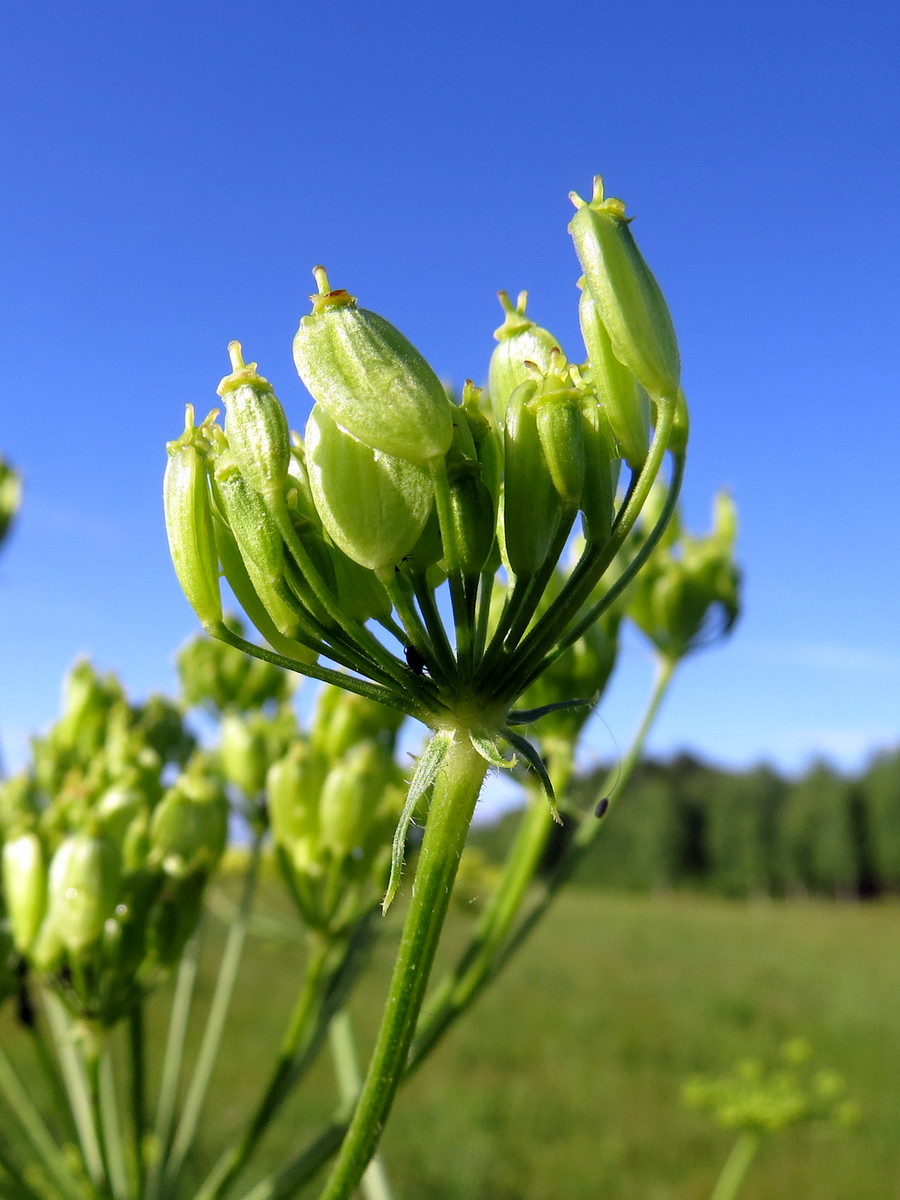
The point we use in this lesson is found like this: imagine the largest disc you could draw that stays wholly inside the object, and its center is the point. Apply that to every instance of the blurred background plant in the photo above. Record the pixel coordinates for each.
(757, 1101)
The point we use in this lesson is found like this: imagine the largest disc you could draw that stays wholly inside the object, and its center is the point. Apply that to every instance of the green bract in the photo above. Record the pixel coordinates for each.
(627, 296)
(370, 379)
(372, 504)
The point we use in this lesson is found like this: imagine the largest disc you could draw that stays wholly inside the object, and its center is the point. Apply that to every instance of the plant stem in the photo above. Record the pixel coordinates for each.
(77, 1087)
(453, 799)
(138, 1089)
(112, 1130)
(26, 1113)
(456, 992)
(736, 1166)
(297, 1039)
(172, 1060)
(375, 1184)
(215, 1026)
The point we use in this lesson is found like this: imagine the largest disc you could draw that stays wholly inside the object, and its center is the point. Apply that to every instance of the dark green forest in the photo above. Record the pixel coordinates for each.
(684, 823)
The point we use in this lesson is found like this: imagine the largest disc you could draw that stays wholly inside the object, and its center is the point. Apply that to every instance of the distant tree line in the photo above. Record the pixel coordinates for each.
(686, 824)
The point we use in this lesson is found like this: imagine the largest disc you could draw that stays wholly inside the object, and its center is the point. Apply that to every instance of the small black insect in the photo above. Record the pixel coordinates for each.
(414, 660)
(602, 806)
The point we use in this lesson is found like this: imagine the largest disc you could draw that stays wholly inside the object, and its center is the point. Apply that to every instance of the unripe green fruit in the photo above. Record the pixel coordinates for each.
(628, 298)
(255, 425)
(83, 889)
(189, 827)
(372, 504)
(24, 887)
(243, 753)
(469, 541)
(520, 341)
(370, 379)
(626, 404)
(293, 786)
(531, 507)
(189, 526)
(561, 433)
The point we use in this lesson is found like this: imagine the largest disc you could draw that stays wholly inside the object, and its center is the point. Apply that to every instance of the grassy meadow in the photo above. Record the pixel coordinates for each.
(564, 1082)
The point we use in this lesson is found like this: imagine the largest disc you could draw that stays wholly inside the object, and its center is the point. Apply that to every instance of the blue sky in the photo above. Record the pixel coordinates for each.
(174, 171)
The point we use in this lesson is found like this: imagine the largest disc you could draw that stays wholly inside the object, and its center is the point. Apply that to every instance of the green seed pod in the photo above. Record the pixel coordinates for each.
(189, 525)
(117, 808)
(243, 753)
(531, 507)
(359, 592)
(628, 298)
(262, 615)
(350, 798)
(372, 504)
(488, 444)
(83, 889)
(189, 827)
(470, 539)
(342, 719)
(520, 342)
(259, 542)
(601, 473)
(626, 403)
(558, 406)
(24, 887)
(293, 786)
(370, 379)
(255, 425)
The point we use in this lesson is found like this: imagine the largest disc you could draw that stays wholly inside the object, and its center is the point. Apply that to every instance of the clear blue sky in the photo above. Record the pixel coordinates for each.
(172, 173)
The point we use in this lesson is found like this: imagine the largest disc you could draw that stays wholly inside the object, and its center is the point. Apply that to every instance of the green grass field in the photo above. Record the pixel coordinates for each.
(564, 1082)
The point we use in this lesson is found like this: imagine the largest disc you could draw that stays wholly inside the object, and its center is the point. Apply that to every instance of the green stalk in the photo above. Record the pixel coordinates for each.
(52, 1075)
(20, 1190)
(77, 1087)
(112, 1130)
(440, 643)
(186, 1130)
(736, 1166)
(375, 1184)
(172, 1062)
(138, 1089)
(456, 992)
(23, 1109)
(591, 567)
(298, 1036)
(453, 799)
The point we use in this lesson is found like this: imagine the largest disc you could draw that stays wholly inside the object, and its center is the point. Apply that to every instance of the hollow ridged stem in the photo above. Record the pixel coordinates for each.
(453, 799)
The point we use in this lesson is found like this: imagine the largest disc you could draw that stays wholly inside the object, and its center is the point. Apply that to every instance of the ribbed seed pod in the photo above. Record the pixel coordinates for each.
(243, 753)
(558, 408)
(350, 798)
(293, 786)
(370, 379)
(469, 541)
(625, 402)
(24, 887)
(629, 299)
(600, 473)
(531, 507)
(83, 888)
(372, 504)
(255, 425)
(520, 341)
(189, 827)
(189, 525)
